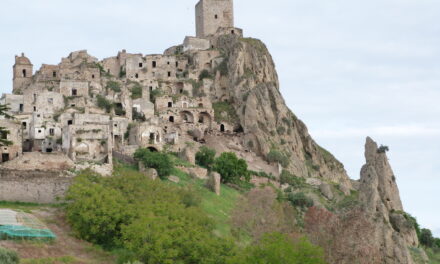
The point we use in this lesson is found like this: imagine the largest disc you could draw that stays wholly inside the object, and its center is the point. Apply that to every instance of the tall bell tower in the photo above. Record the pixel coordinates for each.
(212, 15)
(22, 74)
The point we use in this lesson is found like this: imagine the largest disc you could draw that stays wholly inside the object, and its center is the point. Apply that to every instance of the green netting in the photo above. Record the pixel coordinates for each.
(23, 232)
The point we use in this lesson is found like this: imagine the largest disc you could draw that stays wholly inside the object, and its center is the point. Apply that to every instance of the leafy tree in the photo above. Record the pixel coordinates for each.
(3, 131)
(426, 238)
(205, 157)
(383, 149)
(179, 236)
(204, 75)
(156, 160)
(8, 256)
(146, 220)
(231, 169)
(278, 248)
(95, 211)
(276, 156)
(300, 199)
(437, 242)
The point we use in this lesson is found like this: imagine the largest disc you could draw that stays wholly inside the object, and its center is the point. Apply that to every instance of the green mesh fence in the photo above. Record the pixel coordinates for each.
(19, 225)
(23, 232)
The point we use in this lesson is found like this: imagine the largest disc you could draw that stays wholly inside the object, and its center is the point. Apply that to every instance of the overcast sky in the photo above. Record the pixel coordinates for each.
(348, 68)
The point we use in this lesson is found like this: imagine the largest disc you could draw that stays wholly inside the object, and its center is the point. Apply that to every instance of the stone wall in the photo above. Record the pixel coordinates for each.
(213, 14)
(33, 186)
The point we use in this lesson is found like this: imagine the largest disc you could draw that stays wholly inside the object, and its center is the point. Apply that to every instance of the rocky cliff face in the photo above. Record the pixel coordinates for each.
(379, 196)
(268, 124)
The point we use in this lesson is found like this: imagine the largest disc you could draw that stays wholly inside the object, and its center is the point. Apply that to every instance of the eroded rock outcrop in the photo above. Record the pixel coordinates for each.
(267, 122)
(379, 196)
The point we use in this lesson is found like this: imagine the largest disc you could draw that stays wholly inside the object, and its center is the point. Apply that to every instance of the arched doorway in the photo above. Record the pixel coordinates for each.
(222, 128)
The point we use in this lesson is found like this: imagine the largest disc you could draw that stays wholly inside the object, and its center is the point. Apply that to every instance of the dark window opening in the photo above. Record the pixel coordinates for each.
(154, 64)
(201, 120)
(177, 64)
(170, 104)
(39, 131)
(171, 119)
(151, 88)
(5, 157)
(212, 46)
(35, 108)
(52, 131)
(216, 16)
(93, 76)
(49, 150)
(200, 105)
(140, 65)
(74, 92)
(168, 63)
(181, 91)
(233, 31)
(69, 122)
(152, 136)
(38, 115)
(24, 124)
(72, 105)
(24, 73)
(222, 128)
(136, 75)
(169, 74)
(21, 108)
(116, 125)
(152, 149)
(54, 74)
(4, 135)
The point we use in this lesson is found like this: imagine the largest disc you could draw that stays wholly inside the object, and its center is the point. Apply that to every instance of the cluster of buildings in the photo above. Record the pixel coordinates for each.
(87, 108)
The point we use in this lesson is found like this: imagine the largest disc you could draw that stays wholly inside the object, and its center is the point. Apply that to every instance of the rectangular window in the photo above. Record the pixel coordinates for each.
(140, 65)
(74, 92)
(169, 74)
(52, 131)
(21, 108)
(154, 64)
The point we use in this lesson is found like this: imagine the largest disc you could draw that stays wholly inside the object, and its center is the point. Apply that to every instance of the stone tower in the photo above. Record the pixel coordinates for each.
(23, 70)
(212, 15)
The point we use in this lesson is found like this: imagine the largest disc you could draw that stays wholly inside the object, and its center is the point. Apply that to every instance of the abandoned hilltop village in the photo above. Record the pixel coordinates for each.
(217, 89)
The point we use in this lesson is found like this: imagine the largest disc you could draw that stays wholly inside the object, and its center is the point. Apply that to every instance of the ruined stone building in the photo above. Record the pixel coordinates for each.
(87, 108)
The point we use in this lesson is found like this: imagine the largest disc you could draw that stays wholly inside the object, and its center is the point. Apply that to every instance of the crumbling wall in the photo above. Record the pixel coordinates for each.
(33, 186)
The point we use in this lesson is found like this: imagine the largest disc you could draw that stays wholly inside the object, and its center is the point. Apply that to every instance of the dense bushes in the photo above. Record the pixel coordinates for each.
(159, 161)
(114, 86)
(276, 156)
(147, 220)
(8, 256)
(104, 103)
(278, 248)
(300, 200)
(205, 157)
(289, 178)
(231, 169)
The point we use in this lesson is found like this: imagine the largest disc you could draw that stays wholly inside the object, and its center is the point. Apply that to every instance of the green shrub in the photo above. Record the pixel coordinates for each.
(136, 91)
(205, 75)
(205, 157)
(122, 72)
(145, 220)
(231, 169)
(155, 94)
(300, 200)
(383, 149)
(426, 238)
(277, 248)
(277, 156)
(159, 161)
(114, 86)
(103, 103)
(289, 178)
(8, 256)
(224, 112)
